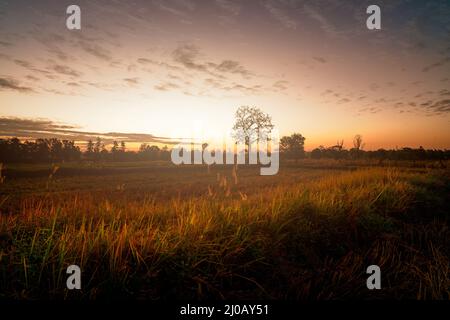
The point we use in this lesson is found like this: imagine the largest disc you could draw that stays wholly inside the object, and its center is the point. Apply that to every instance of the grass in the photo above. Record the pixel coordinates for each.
(191, 233)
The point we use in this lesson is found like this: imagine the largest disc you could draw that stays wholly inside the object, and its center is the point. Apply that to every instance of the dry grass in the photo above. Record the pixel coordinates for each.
(303, 240)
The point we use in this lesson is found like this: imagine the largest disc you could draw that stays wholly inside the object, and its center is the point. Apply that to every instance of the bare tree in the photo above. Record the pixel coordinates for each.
(358, 142)
(339, 145)
(250, 123)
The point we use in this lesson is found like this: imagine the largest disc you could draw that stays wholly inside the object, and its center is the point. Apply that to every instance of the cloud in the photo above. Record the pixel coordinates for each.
(132, 81)
(231, 7)
(57, 68)
(58, 92)
(239, 87)
(73, 84)
(23, 63)
(439, 107)
(32, 78)
(166, 86)
(51, 42)
(146, 61)
(58, 53)
(320, 59)
(178, 8)
(280, 85)
(233, 67)
(12, 84)
(188, 54)
(255, 89)
(5, 44)
(65, 70)
(44, 129)
(344, 100)
(102, 85)
(96, 50)
(280, 15)
(19, 125)
(326, 26)
(436, 64)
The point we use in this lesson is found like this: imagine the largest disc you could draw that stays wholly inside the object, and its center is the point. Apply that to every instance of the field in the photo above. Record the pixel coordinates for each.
(153, 231)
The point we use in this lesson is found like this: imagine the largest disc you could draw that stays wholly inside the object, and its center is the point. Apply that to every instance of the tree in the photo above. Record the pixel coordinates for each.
(70, 151)
(56, 149)
(99, 149)
(337, 151)
(40, 150)
(358, 142)
(143, 147)
(90, 147)
(98, 145)
(318, 153)
(339, 146)
(251, 124)
(293, 146)
(115, 147)
(147, 152)
(358, 145)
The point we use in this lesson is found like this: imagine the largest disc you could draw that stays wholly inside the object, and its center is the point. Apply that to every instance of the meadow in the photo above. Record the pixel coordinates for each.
(154, 231)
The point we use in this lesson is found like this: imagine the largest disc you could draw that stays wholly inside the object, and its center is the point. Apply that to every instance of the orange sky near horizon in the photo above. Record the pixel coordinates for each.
(178, 68)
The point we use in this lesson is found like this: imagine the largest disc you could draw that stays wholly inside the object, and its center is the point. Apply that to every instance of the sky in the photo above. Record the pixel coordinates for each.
(163, 70)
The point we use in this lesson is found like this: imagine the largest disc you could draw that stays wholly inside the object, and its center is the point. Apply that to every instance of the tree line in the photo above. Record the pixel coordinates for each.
(291, 148)
(55, 150)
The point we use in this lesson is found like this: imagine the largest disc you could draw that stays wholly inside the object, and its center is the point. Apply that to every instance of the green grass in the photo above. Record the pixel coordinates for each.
(185, 232)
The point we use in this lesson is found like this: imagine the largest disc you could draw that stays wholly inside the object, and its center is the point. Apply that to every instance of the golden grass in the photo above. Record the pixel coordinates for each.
(310, 240)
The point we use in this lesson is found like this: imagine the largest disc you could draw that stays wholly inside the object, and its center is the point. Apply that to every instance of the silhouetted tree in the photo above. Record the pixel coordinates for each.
(90, 149)
(115, 147)
(358, 145)
(358, 142)
(318, 153)
(70, 151)
(98, 146)
(147, 152)
(54, 150)
(293, 146)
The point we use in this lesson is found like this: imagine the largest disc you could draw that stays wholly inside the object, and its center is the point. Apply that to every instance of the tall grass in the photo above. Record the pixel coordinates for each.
(310, 240)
